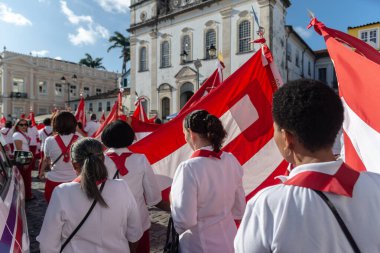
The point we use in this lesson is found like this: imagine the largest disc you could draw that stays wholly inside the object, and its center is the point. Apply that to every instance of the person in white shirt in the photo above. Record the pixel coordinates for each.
(207, 194)
(34, 139)
(91, 126)
(135, 170)
(43, 134)
(7, 133)
(57, 152)
(113, 225)
(21, 142)
(294, 216)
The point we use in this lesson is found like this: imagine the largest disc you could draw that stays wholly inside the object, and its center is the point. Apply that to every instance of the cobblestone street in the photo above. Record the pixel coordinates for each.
(35, 211)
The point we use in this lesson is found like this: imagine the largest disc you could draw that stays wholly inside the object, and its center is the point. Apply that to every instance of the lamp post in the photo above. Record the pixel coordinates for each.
(63, 80)
(212, 51)
(184, 55)
(197, 64)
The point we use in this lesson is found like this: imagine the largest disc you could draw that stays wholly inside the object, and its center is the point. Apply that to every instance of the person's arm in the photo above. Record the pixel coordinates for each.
(45, 162)
(50, 234)
(152, 192)
(184, 202)
(18, 144)
(240, 202)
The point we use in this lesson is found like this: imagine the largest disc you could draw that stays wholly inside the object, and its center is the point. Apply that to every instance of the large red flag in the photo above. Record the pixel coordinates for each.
(139, 113)
(243, 103)
(113, 115)
(31, 118)
(357, 67)
(80, 113)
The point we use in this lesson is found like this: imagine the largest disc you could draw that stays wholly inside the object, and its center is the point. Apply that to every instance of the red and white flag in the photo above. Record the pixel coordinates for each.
(139, 113)
(243, 103)
(357, 66)
(80, 113)
(31, 118)
(102, 117)
(112, 116)
(143, 129)
(212, 82)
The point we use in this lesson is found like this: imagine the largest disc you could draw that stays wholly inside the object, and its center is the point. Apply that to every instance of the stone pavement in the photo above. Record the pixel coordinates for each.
(35, 212)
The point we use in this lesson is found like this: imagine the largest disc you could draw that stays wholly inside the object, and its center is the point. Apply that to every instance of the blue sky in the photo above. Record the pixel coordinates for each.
(67, 29)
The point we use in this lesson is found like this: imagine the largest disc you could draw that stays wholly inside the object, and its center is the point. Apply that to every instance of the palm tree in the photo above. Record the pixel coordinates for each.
(92, 63)
(120, 41)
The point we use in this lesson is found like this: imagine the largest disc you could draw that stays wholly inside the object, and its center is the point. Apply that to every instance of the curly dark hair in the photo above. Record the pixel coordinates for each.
(310, 110)
(118, 134)
(207, 126)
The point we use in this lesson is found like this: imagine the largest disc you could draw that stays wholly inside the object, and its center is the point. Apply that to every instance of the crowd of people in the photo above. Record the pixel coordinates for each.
(98, 191)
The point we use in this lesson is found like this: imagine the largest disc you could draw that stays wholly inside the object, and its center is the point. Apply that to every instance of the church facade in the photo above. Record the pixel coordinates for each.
(171, 42)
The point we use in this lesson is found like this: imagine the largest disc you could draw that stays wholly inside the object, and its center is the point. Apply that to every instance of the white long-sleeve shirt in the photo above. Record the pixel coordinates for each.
(141, 180)
(288, 218)
(105, 230)
(206, 196)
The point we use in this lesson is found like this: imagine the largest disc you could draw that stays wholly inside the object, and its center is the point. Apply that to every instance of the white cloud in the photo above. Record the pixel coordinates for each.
(83, 37)
(58, 58)
(120, 6)
(74, 19)
(102, 31)
(304, 33)
(8, 16)
(40, 52)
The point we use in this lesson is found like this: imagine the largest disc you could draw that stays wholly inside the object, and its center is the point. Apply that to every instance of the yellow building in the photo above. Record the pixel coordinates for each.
(369, 33)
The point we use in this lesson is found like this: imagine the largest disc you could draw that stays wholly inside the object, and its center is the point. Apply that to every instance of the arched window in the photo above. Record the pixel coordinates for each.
(165, 54)
(186, 46)
(187, 90)
(165, 107)
(244, 36)
(143, 61)
(210, 40)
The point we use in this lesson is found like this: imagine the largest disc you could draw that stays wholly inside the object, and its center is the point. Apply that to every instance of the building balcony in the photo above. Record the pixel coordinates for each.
(19, 95)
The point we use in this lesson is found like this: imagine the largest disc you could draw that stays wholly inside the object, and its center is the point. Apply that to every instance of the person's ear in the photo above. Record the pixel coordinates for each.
(77, 167)
(289, 139)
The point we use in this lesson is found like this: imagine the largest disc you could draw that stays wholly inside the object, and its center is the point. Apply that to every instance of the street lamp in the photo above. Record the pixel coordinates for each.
(197, 64)
(212, 51)
(63, 80)
(184, 56)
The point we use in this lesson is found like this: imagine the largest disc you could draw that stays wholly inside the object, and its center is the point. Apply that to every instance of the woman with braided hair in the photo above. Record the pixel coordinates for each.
(207, 193)
(113, 225)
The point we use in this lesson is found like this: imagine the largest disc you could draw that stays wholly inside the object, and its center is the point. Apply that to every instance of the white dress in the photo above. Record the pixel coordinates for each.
(288, 218)
(105, 230)
(206, 196)
(141, 180)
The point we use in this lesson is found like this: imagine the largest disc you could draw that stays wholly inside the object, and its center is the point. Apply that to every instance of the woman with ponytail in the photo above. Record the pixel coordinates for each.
(207, 193)
(113, 225)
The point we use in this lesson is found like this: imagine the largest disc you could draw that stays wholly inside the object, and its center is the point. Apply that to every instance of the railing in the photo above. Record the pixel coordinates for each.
(19, 95)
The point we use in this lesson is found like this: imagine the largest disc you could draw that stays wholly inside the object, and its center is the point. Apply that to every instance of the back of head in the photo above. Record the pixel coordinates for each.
(157, 121)
(118, 134)
(310, 110)
(64, 123)
(8, 124)
(88, 153)
(93, 116)
(47, 122)
(207, 126)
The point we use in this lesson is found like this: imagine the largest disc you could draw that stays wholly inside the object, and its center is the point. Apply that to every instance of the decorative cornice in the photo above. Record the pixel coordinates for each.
(226, 13)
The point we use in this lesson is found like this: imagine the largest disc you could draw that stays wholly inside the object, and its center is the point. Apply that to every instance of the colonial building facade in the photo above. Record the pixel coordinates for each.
(369, 33)
(170, 42)
(42, 84)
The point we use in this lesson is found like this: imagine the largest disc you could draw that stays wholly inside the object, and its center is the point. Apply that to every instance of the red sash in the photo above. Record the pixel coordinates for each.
(5, 134)
(65, 149)
(26, 137)
(119, 161)
(47, 135)
(342, 183)
(206, 153)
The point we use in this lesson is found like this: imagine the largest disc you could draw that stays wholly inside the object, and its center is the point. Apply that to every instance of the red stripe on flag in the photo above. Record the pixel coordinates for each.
(350, 155)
